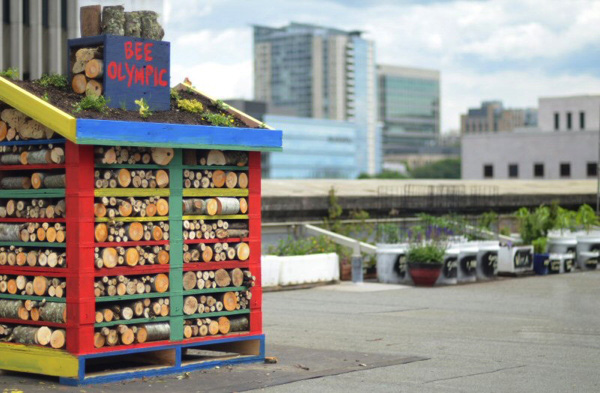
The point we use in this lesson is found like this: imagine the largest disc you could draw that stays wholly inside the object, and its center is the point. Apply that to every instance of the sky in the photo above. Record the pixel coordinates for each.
(511, 50)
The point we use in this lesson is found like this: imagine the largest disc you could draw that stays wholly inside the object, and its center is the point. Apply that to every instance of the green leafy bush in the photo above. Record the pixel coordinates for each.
(91, 103)
(221, 105)
(217, 119)
(431, 253)
(175, 94)
(586, 217)
(305, 246)
(10, 73)
(192, 106)
(54, 80)
(539, 245)
(145, 111)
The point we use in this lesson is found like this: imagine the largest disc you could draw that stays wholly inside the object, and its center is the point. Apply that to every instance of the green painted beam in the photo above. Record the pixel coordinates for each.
(214, 290)
(137, 296)
(37, 298)
(218, 314)
(132, 321)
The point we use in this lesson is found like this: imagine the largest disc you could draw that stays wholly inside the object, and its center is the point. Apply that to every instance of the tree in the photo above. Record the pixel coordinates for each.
(443, 169)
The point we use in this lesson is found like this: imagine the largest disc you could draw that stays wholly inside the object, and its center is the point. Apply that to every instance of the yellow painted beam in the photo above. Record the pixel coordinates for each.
(197, 192)
(38, 109)
(38, 360)
(133, 192)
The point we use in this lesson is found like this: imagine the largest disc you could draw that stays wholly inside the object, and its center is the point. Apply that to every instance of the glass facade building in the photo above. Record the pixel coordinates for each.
(409, 106)
(312, 149)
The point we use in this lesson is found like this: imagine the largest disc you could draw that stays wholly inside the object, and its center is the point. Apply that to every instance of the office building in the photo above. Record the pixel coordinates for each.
(491, 116)
(409, 107)
(312, 71)
(563, 146)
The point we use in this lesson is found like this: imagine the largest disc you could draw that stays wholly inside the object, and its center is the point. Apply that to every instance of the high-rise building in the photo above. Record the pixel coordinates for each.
(493, 117)
(312, 71)
(409, 107)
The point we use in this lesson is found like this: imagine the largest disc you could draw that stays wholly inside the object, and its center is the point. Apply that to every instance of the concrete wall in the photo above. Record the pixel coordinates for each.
(527, 148)
(590, 105)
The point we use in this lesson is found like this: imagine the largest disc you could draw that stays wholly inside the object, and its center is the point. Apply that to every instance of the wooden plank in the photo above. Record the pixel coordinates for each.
(214, 290)
(217, 314)
(131, 297)
(216, 167)
(132, 321)
(38, 360)
(34, 244)
(131, 192)
(131, 166)
(38, 109)
(224, 217)
(193, 192)
(56, 141)
(122, 133)
(131, 219)
(39, 193)
(38, 298)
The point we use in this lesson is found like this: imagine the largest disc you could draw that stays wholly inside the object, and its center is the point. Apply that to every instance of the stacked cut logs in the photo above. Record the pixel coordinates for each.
(214, 179)
(34, 310)
(215, 206)
(201, 327)
(228, 301)
(112, 207)
(214, 229)
(88, 69)
(54, 155)
(216, 252)
(43, 335)
(215, 157)
(20, 256)
(128, 334)
(33, 286)
(133, 155)
(20, 149)
(111, 257)
(144, 308)
(125, 178)
(33, 232)
(36, 180)
(34, 208)
(119, 231)
(218, 279)
(15, 125)
(122, 285)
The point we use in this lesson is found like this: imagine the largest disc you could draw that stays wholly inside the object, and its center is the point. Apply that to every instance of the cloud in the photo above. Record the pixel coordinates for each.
(218, 80)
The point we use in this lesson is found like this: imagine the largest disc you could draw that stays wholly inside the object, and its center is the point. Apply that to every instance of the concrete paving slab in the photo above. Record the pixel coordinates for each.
(362, 287)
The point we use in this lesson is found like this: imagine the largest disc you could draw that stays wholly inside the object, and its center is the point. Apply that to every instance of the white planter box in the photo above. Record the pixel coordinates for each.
(302, 269)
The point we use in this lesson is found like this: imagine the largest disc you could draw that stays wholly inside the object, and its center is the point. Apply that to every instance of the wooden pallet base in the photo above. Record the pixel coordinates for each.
(131, 364)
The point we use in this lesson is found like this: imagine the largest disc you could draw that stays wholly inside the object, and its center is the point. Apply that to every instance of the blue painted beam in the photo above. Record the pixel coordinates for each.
(127, 133)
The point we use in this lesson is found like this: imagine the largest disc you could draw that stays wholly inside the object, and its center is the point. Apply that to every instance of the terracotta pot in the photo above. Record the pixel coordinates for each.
(424, 274)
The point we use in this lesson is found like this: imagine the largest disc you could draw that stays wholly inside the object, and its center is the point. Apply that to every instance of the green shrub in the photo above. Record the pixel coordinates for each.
(145, 111)
(10, 73)
(192, 106)
(217, 119)
(221, 105)
(539, 245)
(54, 80)
(305, 246)
(175, 94)
(586, 217)
(91, 103)
(431, 253)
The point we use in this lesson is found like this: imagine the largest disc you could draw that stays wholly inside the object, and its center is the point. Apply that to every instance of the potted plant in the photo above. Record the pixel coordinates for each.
(425, 262)
(540, 256)
(588, 244)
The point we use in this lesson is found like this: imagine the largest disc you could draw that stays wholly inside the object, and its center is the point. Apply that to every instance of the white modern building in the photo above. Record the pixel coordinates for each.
(564, 146)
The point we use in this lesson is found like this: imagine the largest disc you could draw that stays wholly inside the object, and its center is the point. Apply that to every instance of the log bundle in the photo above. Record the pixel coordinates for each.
(218, 279)
(215, 206)
(133, 155)
(15, 126)
(36, 180)
(33, 310)
(214, 229)
(216, 252)
(22, 256)
(88, 69)
(111, 257)
(228, 301)
(33, 285)
(37, 335)
(119, 231)
(205, 178)
(202, 327)
(126, 178)
(33, 208)
(54, 155)
(33, 232)
(130, 334)
(125, 311)
(125, 285)
(112, 207)
(215, 157)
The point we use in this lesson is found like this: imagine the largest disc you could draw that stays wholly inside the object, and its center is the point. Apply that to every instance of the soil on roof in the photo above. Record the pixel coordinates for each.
(65, 99)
